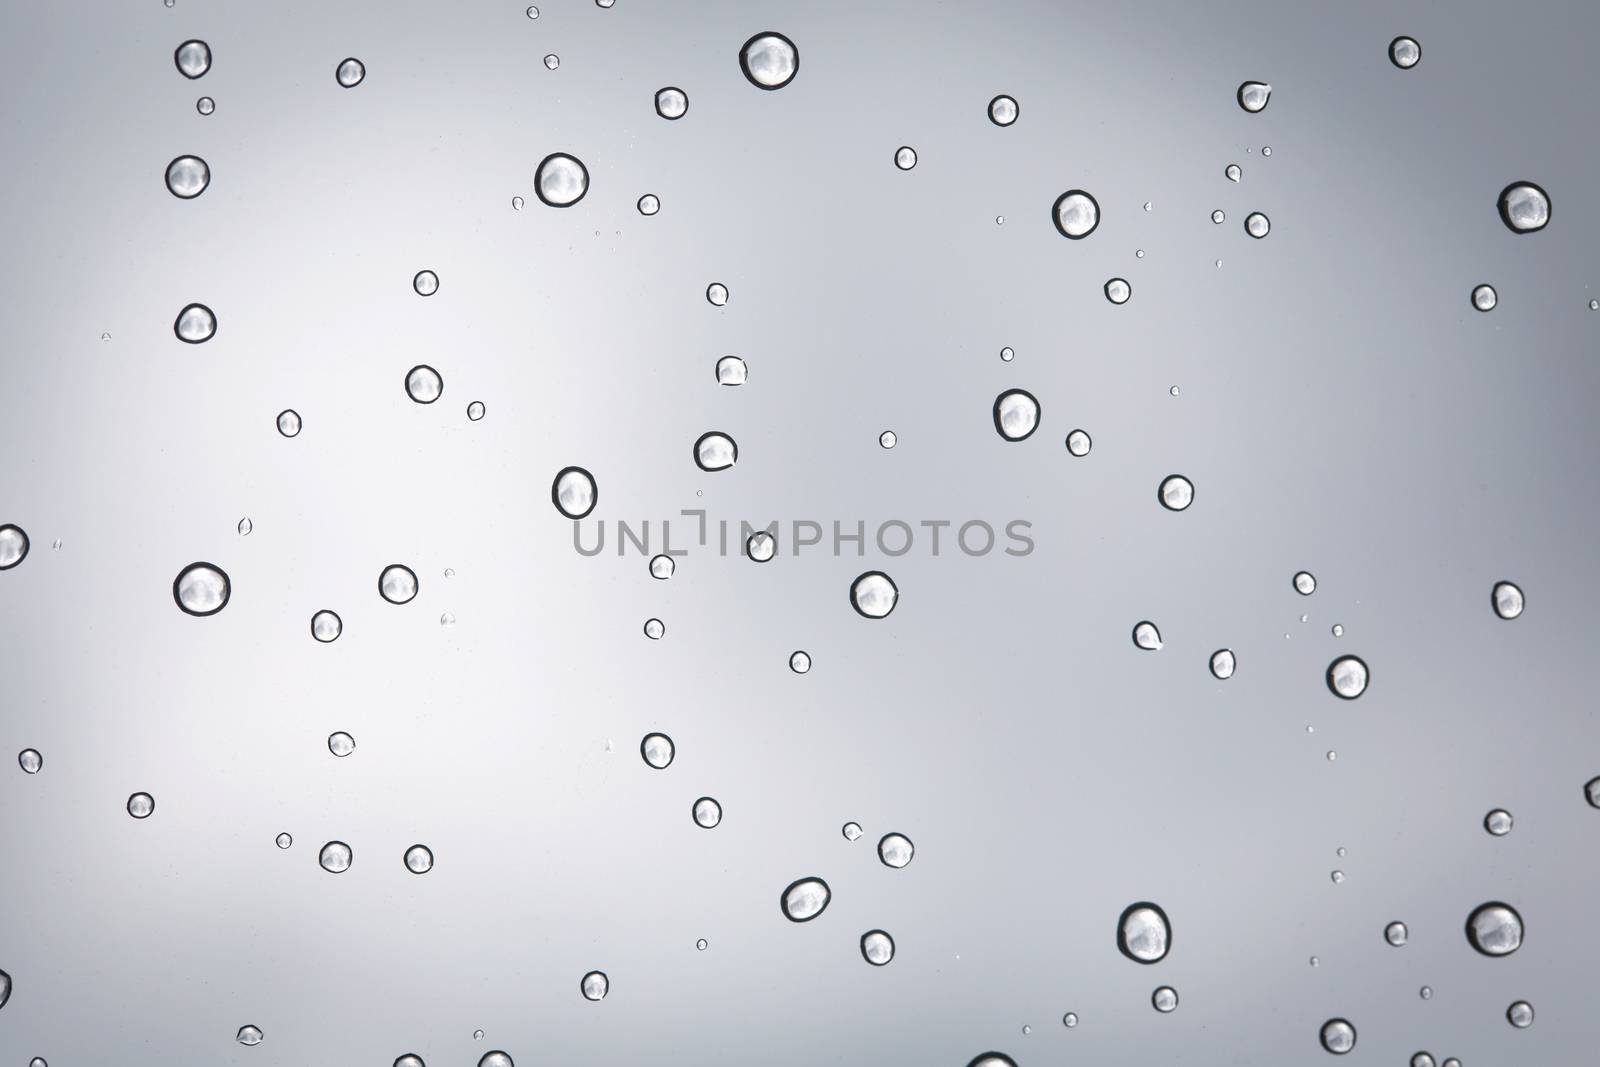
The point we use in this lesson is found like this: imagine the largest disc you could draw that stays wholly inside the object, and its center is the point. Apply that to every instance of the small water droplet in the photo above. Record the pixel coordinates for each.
(1266, 150)
(905, 157)
(1144, 933)
(1079, 443)
(426, 283)
(200, 589)
(419, 859)
(561, 180)
(397, 583)
(1338, 1036)
(1347, 677)
(804, 899)
(1003, 110)
(140, 805)
(731, 370)
(1016, 414)
(1007, 355)
(1146, 636)
(717, 294)
(672, 102)
(1338, 877)
(187, 177)
(1315, 962)
(195, 324)
(1165, 999)
(662, 567)
(1422, 1059)
(715, 451)
(655, 629)
(193, 59)
(1118, 290)
(895, 850)
(1338, 630)
(335, 857)
(1026, 1030)
(1405, 52)
(1591, 790)
(1507, 599)
(707, 813)
(1396, 933)
(1138, 253)
(800, 662)
(516, 203)
(1305, 583)
(205, 105)
(1495, 929)
(657, 750)
(447, 618)
(350, 72)
(1524, 207)
(326, 626)
(1253, 96)
(852, 831)
(476, 410)
(1076, 214)
(1232, 172)
(249, 1035)
(1148, 206)
(1484, 298)
(283, 840)
(874, 594)
(769, 60)
(1176, 492)
(1498, 822)
(532, 12)
(574, 492)
(888, 439)
(1175, 391)
(1256, 224)
(1332, 755)
(1222, 663)
(341, 744)
(1426, 992)
(1520, 1014)
(1069, 1020)
(496, 1058)
(289, 422)
(649, 204)
(877, 947)
(552, 62)
(424, 384)
(700, 944)
(30, 761)
(1218, 216)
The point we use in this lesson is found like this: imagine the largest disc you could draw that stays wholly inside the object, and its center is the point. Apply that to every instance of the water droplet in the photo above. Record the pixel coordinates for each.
(397, 583)
(5, 988)
(1405, 52)
(574, 492)
(202, 589)
(423, 384)
(800, 662)
(1315, 962)
(804, 899)
(1305, 583)
(1338, 1036)
(888, 439)
(595, 985)
(326, 626)
(1007, 355)
(877, 947)
(1498, 822)
(250, 1035)
(715, 451)
(905, 157)
(1507, 599)
(1003, 110)
(1218, 217)
(1451, 1062)
(761, 546)
(1148, 206)
(1144, 934)
(193, 59)
(1176, 492)
(707, 813)
(447, 618)
(552, 62)
(1267, 150)
(30, 761)
(1332, 755)
(1069, 1020)
(1495, 929)
(1426, 992)
(657, 750)
(1422, 1059)
(1594, 305)
(895, 850)
(1138, 253)
(1222, 664)
(1524, 207)
(655, 629)
(662, 567)
(700, 944)
(335, 857)
(1338, 877)
(477, 1035)
(1484, 298)
(289, 422)
(341, 744)
(516, 203)
(1340, 851)
(476, 410)
(284, 840)
(1165, 999)
(717, 294)
(419, 859)
(874, 594)
(195, 324)
(1118, 290)
(350, 72)
(1253, 96)
(1256, 224)
(852, 831)
(1520, 1014)
(187, 177)
(1079, 443)
(1347, 677)
(1233, 172)
(426, 283)
(731, 370)
(1146, 636)
(769, 60)
(495, 1058)
(1016, 414)
(1591, 790)
(992, 1059)
(140, 805)
(1338, 630)
(1026, 1030)
(1076, 214)
(672, 102)
(561, 180)
(205, 105)
(532, 12)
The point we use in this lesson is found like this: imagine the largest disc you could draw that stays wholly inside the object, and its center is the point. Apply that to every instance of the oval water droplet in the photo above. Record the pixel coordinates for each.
(717, 294)
(187, 177)
(707, 813)
(895, 850)
(1348, 676)
(561, 180)
(1338, 1036)
(1507, 599)
(419, 859)
(649, 204)
(874, 594)
(1016, 414)
(1079, 443)
(574, 492)
(595, 985)
(1405, 52)
(731, 370)
(1164, 999)
(424, 384)
(715, 451)
(335, 857)
(877, 947)
(1484, 298)
(672, 102)
(1118, 290)
(905, 157)
(552, 62)
(140, 805)
(397, 583)
(193, 59)
(249, 1035)
(1146, 636)
(804, 899)
(1524, 207)
(289, 422)
(1232, 172)
(205, 105)
(341, 744)
(1520, 1014)
(1397, 933)
(1495, 929)
(1076, 214)
(769, 60)
(1498, 822)
(1222, 664)
(1257, 225)
(1144, 934)
(1253, 96)
(1175, 492)
(326, 626)
(1305, 583)
(350, 72)
(476, 411)
(202, 589)
(800, 662)
(30, 761)
(657, 750)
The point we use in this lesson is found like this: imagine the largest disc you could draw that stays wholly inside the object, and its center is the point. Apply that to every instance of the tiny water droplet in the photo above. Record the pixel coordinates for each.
(1338, 630)
(1003, 110)
(335, 857)
(595, 985)
(1422, 1059)
(852, 831)
(1426, 992)
(1266, 150)
(187, 177)
(905, 157)
(193, 59)
(1218, 217)
(496, 1058)
(700, 944)
(1405, 52)
(1524, 207)
(140, 805)
(561, 180)
(476, 410)
(1315, 962)
(447, 618)
(532, 12)
(289, 422)
(350, 72)
(516, 203)
(205, 105)
(761, 546)
(877, 947)
(326, 626)
(800, 662)
(1007, 355)
(1338, 1036)
(769, 60)
(804, 899)
(672, 102)
(1165, 999)
(707, 813)
(1016, 414)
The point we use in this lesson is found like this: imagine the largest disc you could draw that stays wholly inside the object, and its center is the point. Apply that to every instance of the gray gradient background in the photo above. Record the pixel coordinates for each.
(1343, 409)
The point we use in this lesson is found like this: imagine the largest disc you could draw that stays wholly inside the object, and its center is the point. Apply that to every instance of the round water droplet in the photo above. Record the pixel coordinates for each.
(1222, 664)
(283, 840)
(649, 204)
(707, 813)
(532, 13)
(1591, 792)
(1347, 677)
(1076, 214)
(1305, 583)
(1338, 630)
(1405, 52)
(1267, 150)
(495, 1058)
(326, 626)
(193, 59)
(731, 370)
(1484, 298)
(1498, 822)
(1070, 1020)
(888, 439)
(397, 583)
(595, 985)
(715, 451)
(335, 857)
(551, 62)
(672, 102)
(516, 203)
(205, 105)
(1232, 172)
(202, 589)
(1007, 354)
(289, 422)
(1016, 414)
(769, 60)
(574, 492)
(1396, 933)
(350, 72)
(1524, 207)
(662, 567)
(187, 177)
(717, 294)
(447, 618)
(419, 859)
(1426, 992)
(761, 546)
(476, 410)
(426, 283)
(1338, 1036)
(140, 805)
(1146, 636)
(1520, 1014)
(30, 761)
(341, 744)
(561, 180)
(895, 850)
(852, 831)
(1422, 1059)
(799, 662)
(874, 594)
(1253, 96)
(1118, 290)
(249, 1035)
(1495, 929)
(655, 629)
(423, 384)
(1079, 443)
(905, 157)
(877, 947)
(1257, 225)
(1143, 933)
(992, 1059)
(195, 324)
(657, 750)
(804, 899)
(1218, 217)
(1175, 492)
(1315, 962)
(1164, 999)
(701, 944)
(1003, 110)
(1507, 600)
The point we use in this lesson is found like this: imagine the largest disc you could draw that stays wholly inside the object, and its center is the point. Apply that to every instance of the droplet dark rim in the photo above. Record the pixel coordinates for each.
(406, 381)
(199, 340)
(1253, 236)
(751, 556)
(1066, 442)
(407, 852)
(1001, 1056)
(716, 371)
(671, 89)
(418, 277)
(1484, 907)
(1112, 281)
(1513, 1007)
(1337, 1019)
(1329, 676)
(341, 63)
(538, 190)
(826, 900)
(417, 585)
(1122, 945)
(179, 50)
(1038, 417)
(336, 618)
(581, 992)
(863, 576)
(1397, 40)
(698, 441)
(1055, 214)
(204, 185)
(227, 589)
(868, 958)
(1494, 601)
(1589, 786)
(1505, 212)
(36, 752)
(347, 848)
(1212, 664)
(1133, 634)
(1157, 992)
(555, 491)
(26, 544)
(672, 756)
(995, 99)
(744, 60)
(726, 294)
(141, 793)
(697, 822)
(1162, 500)
(1239, 95)
(903, 837)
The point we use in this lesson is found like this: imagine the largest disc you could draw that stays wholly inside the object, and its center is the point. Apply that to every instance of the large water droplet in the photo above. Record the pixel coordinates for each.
(715, 451)
(195, 324)
(1520, 1014)
(1348, 676)
(657, 750)
(1143, 933)
(1164, 999)
(731, 370)
(877, 947)
(350, 72)
(335, 857)
(193, 59)
(1146, 636)
(707, 813)
(187, 177)
(1524, 207)
(1016, 414)
(30, 760)
(1118, 290)
(561, 180)
(1175, 492)
(419, 859)
(289, 422)
(1003, 110)
(1076, 214)
(1507, 600)
(140, 805)
(249, 1035)
(202, 589)
(672, 102)
(397, 583)
(1253, 96)
(874, 594)
(895, 850)
(1338, 1036)
(1405, 52)
(326, 626)
(423, 384)
(905, 157)
(1495, 929)
(1257, 225)
(804, 899)
(1396, 933)
(1222, 663)
(14, 545)
(574, 492)
(769, 60)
